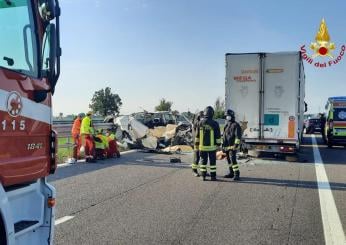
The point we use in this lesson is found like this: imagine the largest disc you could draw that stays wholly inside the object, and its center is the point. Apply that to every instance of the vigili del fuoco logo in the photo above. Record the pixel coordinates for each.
(323, 49)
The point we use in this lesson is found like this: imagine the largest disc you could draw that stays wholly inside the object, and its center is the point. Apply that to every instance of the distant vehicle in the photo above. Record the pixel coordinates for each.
(266, 92)
(335, 129)
(313, 125)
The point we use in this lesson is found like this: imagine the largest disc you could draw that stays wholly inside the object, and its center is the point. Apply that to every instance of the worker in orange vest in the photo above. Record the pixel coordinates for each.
(113, 149)
(75, 132)
(87, 131)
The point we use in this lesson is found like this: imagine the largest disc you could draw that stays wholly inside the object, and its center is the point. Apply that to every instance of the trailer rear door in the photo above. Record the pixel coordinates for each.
(243, 91)
(281, 91)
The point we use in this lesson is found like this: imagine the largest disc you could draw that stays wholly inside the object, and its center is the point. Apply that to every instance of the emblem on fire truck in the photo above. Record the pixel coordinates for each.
(14, 104)
(322, 46)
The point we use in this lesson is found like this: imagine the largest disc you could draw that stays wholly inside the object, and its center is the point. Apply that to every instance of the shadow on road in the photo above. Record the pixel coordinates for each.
(287, 183)
(130, 159)
(335, 155)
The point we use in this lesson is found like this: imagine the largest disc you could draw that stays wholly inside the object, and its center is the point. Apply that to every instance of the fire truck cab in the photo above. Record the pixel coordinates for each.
(29, 69)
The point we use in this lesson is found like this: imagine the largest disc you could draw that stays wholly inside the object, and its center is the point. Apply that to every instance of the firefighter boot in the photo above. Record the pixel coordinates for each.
(203, 176)
(195, 172)
(213, 176)
(230, 175)
(237, 175)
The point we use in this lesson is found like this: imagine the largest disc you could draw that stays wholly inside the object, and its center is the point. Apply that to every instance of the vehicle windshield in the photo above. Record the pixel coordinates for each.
(315, 121)
(340, 114)
(18, 43)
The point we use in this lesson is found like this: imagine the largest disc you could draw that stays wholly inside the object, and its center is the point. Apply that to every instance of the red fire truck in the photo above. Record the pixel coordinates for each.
(29, 69)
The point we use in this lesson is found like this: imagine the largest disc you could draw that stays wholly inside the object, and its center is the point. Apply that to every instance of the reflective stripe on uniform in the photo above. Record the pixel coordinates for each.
(203, 168)
(201, 138)
(235, 167)
(218, 141)
(237, 141)
(212, 169)
(211, 146)
(194, 166)
(207, 148)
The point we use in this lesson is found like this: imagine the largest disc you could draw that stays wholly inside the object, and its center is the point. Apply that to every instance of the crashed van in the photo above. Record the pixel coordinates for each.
(335, 128)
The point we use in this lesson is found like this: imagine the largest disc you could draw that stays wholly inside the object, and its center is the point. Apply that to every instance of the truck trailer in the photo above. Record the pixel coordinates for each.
(29, 70)
(266, 91)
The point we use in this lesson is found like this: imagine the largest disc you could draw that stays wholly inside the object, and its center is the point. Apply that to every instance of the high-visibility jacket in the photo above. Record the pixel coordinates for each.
(99, 145)
(208, 135)
(231, 134)
(103, 144)
(76, 127)
(86, 126)
(111, 137)
(105, 141)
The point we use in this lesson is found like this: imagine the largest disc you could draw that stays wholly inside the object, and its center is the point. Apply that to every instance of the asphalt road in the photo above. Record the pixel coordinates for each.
(143, 199)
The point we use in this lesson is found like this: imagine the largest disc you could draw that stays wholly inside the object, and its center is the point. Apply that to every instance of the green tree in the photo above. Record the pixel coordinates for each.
(105, 103)
(164, 105)
(219, 108)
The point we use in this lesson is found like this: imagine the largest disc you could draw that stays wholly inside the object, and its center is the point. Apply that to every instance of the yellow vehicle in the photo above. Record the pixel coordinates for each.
(335, 128)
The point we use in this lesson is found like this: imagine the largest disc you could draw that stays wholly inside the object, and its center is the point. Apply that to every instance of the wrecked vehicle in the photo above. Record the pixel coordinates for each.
(155, 119)
(155, 131)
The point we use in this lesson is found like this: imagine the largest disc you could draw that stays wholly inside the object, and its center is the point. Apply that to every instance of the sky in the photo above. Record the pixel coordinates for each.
(145, 50)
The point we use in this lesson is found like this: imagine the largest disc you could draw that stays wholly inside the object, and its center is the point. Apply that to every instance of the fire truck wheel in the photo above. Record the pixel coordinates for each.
(2, 233)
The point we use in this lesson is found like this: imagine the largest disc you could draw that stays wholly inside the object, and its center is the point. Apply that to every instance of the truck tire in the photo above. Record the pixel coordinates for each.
(291, 158)
(2, 233)
(330, 144)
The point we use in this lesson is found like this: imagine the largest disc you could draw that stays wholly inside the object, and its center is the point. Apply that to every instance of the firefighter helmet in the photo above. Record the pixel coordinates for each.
(209, 112)
(230, 113)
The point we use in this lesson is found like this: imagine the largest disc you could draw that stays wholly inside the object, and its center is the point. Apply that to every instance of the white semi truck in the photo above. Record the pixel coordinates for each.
(266, 92)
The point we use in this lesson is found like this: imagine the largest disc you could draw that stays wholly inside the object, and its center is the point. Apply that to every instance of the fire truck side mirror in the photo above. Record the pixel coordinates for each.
(51, 56)
(47, 10)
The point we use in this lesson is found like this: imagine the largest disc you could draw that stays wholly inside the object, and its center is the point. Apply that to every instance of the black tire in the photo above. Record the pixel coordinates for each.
(291, 158)
(308, 130)
(2, 233)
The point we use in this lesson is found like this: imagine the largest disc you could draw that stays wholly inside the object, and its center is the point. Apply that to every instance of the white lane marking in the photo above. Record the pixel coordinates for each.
(332, 227)
(63, 219)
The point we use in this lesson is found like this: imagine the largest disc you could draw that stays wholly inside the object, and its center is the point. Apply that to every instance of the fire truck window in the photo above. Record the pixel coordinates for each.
(45, 54)
(17, 42)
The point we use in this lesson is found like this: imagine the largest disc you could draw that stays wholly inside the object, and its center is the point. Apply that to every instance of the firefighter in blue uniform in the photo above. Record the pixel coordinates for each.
(208, 139)
(231, 140)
